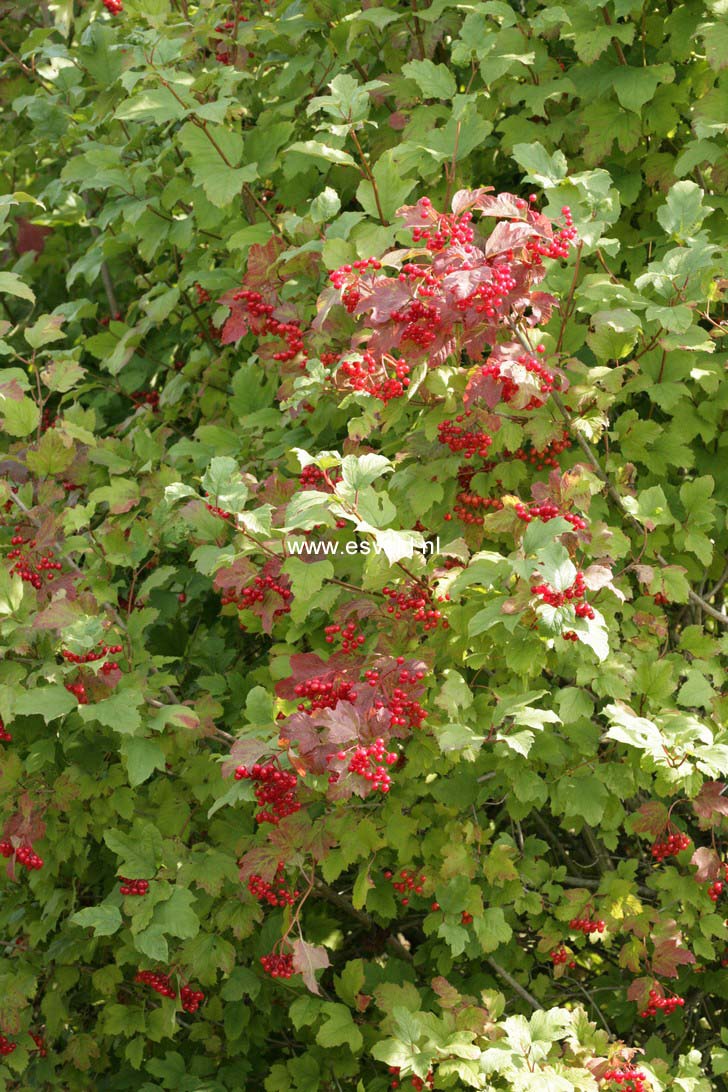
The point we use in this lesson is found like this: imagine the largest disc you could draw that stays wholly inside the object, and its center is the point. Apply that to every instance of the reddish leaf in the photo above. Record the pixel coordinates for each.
(307, 959)
(669, 956)
(260, 861)
(31, 237)
(508, 236)
(708, 865)
(710, 803)
(651, 818)
(639, 990)
(244, 752)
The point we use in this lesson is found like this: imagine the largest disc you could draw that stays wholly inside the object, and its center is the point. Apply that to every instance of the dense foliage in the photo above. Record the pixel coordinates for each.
(364, 546)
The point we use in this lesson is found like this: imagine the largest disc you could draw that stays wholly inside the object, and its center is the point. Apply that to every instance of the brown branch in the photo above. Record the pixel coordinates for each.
(372, 180)
(514, 984)
(615, 41)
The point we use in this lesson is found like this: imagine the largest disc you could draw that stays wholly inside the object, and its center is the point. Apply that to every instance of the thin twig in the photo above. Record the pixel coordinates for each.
(514, 984)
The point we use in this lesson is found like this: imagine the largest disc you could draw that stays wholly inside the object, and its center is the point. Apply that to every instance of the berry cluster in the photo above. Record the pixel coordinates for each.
(261, 318)
(417, 603)
(454, 287)
(538, 458)
(275, 790)
(408, 883)
(367, 762)
(547, 511)
(312, 477)
(6, 1047)
(660, 600)
(626, 1077)
(674, 843)
(323, 694)
(32, 570)
(339, 276)
(470, 441)
(561, 956)
(191, 999)
(470, 503)
(558, 245)
(447, 229)
(260, 588)
(587, 926)
(133, 887)
(40, 1043)
(92, 657)
(24, 855)
(575, 594)
(161, 984)
(275, 893)
(657, 1003)
(223, 55)
(114, 7)
(384, 378)
(78, 689)
(510, 387)
(351, 640)
(406, 711)
(490, 297)
(278, 966)
(146, 398)
(715, 890)
(5, 736)
(203, 296)
(217, 511)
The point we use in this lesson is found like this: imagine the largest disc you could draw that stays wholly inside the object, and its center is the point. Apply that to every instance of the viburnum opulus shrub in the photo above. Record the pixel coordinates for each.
(362, 592)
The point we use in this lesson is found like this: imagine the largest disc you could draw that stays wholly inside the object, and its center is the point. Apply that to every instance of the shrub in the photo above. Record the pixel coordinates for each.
(364, 549)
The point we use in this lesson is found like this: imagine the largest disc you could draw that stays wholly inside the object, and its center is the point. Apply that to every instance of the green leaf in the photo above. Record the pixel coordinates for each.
(176, 915)
(152, 943)
(142, 757)
(613, 333)
(45, 330)
(650, 507)
(223, 483)
(392, 188)
(636, 86)
(49, 702)
(119, 712)
(492, 929)
(105, 920)
(158, 105)
(584, 797)
(138, 853)
(11, 592)
(215, 152)
(683, 213)
(19, 416)
(543, 169)
(318, 150)
(12, 285)
(435, 81)
(358, 471)
(325, 206)
(307, 579)
(338, 1028)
